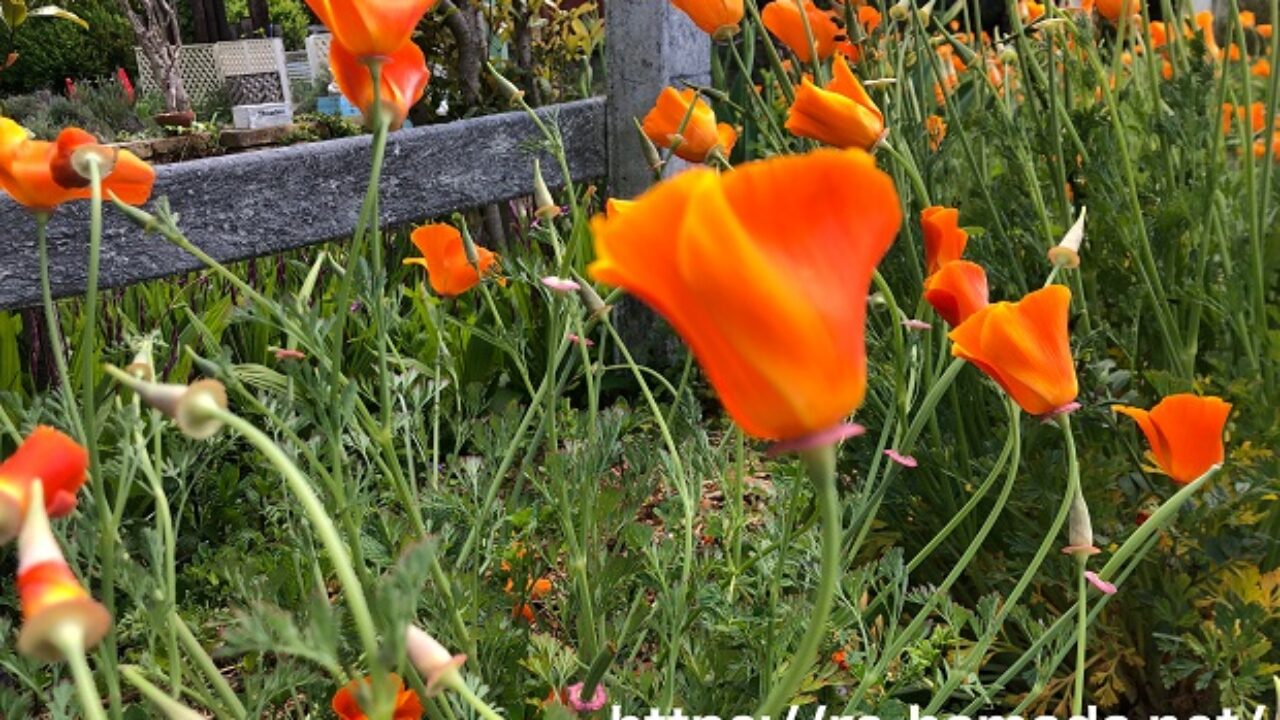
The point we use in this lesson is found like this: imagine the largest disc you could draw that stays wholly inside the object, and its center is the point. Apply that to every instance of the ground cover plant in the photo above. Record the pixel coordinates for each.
(974, 410)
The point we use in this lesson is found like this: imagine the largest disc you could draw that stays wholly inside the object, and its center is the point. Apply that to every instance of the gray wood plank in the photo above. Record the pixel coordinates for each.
(242, 206)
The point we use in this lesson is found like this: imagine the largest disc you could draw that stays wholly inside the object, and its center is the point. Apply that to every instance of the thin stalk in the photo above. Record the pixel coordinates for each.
(52, 325)
(820, 463)
(202, 660)
(321, 523)
(70, 641)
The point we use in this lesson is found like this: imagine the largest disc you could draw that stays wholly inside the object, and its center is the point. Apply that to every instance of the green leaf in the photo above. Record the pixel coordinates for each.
(13, 12)
(56, 12)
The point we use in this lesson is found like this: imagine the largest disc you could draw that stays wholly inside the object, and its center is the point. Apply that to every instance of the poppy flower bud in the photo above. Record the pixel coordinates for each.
(957, 290)
(595, 304)
(47, 457)
(508, 89)
(944, 239)
(926, 12)
(1067, 253)
(546, 206)
(900, 10)
(184, 404)
(435, 663)
(651, 154)
(1008, 55)
(1079, 528)
(58, 615)
(142, 367)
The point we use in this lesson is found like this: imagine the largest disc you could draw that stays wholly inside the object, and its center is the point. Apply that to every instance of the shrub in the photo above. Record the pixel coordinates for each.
(51, 51)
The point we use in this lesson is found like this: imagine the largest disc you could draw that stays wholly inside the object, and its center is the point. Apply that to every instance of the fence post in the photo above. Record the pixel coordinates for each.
(649, 44)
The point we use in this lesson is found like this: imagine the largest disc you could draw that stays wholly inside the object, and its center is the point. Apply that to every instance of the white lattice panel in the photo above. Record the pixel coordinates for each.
(318, 54)
(250, 57)
(198, 67)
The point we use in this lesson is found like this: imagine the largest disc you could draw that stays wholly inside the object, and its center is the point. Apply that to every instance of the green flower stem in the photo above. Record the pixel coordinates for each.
(688, 500)
(1136, 546)
(775, 61)
(202, 660)
(1082, 632)
(107, 530)
(820, 463)
(321, 523)
(975, 654)
(455, 683)
(52, 325)
(901, 639)
(69, 639)
(172, 709)
(908, 165)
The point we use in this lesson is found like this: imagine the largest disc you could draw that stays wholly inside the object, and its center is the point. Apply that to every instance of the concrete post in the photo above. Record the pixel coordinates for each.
(649, 45)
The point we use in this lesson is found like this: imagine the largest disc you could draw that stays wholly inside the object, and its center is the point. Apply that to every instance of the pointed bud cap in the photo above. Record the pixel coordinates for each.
(435, 663)
(545, 204)
(1067, 253)
(186, 405)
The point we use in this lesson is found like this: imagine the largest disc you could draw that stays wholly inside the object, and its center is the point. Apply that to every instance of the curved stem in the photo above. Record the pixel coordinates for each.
(70, 640)
(1082, 632)
(821, 466)
(321, 523)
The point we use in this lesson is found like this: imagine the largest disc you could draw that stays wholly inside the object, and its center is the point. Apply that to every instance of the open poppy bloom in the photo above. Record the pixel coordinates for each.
(371, 28)
(403, 74)
(42, 175)
(717, 18)
(347, 705)
(1113, 9)
(445, 258)
(944, 240)
(957, 291)
(1257, 116)
(1024, 347)
(784, 21)
(54, 459)
(700, 134)
(764, 271)
(841, 115)
(1185, 433)
(54, 603)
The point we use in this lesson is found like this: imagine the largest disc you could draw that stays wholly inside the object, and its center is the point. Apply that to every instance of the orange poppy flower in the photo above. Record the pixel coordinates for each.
(347, 705)
(1233, 52)
(1247, 19)
(784, 21)
(1257, 116)
(869, 18)
(1024, 347)
(371, 28)
(764, 271)
(403, 74)
(1159, 34)
(700, 134)
(1264, 31)
(51, 596)
(717, 18)
(957, 291)
(1031, 11)
(1204, 21)
(1112, 9)
(944, 240)
(54, 459)
(842, 115)
(1166, 69)
(1261, 68)
(936, 128)
(41, 175)
(1185, 433)
(445, 258)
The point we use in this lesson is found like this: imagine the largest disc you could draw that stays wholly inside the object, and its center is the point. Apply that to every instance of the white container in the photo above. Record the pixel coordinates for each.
(253, 117)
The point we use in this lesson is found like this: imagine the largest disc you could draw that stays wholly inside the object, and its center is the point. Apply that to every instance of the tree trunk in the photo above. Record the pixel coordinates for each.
(465, 24)
(200, 20)
(155, 24)
(259, 16)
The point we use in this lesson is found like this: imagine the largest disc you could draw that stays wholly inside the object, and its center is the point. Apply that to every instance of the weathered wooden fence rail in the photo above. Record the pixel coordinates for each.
(242, 206)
